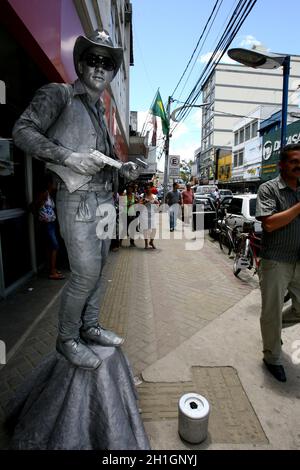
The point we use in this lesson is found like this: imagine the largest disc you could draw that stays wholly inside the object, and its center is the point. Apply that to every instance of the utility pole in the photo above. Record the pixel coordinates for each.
(167, 147)
(167, 142)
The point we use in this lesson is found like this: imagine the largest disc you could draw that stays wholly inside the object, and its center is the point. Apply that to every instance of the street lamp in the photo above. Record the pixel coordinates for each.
(260, 60)
(173, 115)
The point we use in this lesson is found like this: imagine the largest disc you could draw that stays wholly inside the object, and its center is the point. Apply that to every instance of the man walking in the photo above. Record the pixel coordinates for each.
(173, 199)
(187, 203)
(278, 207)
(65, 126)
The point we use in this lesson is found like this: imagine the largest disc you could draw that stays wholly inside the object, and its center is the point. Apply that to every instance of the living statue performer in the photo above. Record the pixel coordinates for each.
(64, 125)
(68, 401)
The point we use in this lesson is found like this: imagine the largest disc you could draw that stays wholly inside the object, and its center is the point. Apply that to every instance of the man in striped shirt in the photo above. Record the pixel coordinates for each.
(278, 207)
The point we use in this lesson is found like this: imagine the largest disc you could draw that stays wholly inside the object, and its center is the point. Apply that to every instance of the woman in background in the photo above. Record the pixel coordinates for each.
(147, 217)
(46, 215)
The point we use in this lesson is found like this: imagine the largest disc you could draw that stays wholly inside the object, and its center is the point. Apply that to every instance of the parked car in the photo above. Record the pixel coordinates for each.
(204, 190)
(204, 213)
(214, 229)
(225, 193)
(242, 209)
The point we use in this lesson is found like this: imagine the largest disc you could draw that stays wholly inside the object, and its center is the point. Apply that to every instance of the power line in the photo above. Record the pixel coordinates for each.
(196, 58)
(238, 17)
(198, 42)
(211, 63)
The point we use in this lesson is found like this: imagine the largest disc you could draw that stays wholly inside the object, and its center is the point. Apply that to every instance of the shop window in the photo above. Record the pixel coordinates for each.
(6, 160)
(238, 159)
(254, 129)
(236, 138)
(235, 159)
(2, 92)
(14, 244)
(247, 132)
(241, 158)
(12, 176)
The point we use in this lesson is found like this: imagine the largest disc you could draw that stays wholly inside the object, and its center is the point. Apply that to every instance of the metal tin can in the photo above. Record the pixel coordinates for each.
(193, 417)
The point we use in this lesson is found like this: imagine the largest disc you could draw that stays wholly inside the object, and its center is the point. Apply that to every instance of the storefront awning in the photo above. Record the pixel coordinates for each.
(47, 31)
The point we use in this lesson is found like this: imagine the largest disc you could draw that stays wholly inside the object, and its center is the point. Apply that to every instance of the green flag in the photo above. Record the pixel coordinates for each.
(158, 110)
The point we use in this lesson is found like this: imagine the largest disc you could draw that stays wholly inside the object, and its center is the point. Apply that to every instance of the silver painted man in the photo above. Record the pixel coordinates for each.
(64, 125)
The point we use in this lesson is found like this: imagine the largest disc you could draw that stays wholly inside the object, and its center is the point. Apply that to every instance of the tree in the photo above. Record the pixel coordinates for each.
(186, 170)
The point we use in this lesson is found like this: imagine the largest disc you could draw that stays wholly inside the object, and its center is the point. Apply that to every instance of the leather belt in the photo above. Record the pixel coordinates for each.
(91, 187)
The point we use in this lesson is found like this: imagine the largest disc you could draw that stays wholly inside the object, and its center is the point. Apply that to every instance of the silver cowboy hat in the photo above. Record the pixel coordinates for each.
(102, 40)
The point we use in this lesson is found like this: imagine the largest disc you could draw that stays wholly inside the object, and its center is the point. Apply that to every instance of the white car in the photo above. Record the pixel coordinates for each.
(242, 209)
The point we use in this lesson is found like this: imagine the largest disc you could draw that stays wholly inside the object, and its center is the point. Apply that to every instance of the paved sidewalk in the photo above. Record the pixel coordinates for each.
(188, 322)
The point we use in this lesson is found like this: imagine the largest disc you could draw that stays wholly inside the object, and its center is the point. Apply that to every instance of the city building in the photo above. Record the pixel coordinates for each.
(233, 91)
(139, 148)
(271, 134)
(247, 149)
(36, 43)
(224, 168)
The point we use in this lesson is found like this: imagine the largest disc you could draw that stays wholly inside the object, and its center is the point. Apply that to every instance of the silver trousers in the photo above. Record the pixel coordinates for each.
(80, 301)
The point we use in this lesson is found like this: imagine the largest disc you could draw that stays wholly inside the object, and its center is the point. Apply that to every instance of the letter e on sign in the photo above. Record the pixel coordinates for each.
(174, 161)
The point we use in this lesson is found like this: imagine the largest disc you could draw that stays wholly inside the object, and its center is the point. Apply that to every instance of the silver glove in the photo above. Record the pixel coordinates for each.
(130, 171)
(84, 163)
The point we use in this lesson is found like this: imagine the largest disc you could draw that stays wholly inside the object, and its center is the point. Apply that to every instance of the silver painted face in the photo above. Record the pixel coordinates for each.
(96, 78)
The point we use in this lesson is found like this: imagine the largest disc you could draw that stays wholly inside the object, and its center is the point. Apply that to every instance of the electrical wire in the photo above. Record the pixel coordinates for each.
(199, 40)
(214, 59)
(197, 57)
(211, 19)
(238, 17)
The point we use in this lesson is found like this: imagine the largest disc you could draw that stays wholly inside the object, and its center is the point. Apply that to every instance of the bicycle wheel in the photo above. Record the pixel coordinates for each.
(250, 258)
(214, 231)
(243, 258)
(225, 242)
(240, 246)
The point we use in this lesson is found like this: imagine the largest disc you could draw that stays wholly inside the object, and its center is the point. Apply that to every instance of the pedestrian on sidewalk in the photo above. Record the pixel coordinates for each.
(65, 126)
(278, 207)
(187, 203)
(45, 209)
(147, 217)
(131, 200)
(174, 201)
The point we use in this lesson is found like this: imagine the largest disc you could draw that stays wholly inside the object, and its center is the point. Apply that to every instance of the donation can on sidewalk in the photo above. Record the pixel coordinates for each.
(193, 417)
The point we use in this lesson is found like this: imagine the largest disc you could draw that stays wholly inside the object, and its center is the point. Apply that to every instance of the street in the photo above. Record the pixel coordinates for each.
(190, 326)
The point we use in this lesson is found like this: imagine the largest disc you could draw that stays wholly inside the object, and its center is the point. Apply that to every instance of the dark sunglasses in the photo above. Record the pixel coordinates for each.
(93, 60)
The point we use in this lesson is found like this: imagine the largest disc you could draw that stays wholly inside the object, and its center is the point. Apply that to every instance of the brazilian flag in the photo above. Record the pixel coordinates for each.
(158, 110)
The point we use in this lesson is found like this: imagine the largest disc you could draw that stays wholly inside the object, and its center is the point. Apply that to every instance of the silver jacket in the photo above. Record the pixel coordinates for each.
(55, 124)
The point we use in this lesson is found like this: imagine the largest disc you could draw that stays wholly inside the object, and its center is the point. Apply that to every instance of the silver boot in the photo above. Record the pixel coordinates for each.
(78, 353)
(98, 335)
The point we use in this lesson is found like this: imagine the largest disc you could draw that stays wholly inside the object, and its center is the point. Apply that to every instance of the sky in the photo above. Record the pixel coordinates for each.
(165, 34)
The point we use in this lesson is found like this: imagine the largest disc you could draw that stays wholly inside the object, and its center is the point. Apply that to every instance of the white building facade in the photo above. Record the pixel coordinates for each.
(233, 91)
(247, 148)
